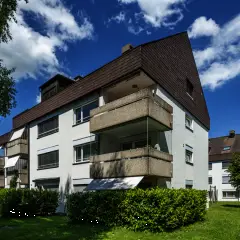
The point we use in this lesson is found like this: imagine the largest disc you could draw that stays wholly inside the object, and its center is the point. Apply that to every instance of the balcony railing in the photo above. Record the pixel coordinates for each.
(136, 162)
(134, 106)
(17, 147)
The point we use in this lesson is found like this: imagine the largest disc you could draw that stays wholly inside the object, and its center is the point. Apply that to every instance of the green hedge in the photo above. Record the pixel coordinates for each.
(26, 202)
(152, 209)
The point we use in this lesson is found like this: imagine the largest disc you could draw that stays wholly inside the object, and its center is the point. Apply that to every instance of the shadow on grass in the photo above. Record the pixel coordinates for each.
(43, 228)
(231, 205)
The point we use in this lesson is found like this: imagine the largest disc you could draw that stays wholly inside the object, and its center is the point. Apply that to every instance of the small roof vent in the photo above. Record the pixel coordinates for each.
(231, 133)
(126, 48)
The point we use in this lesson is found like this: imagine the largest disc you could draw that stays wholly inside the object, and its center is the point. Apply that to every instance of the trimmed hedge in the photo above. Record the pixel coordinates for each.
(154, 210)
(26, 202)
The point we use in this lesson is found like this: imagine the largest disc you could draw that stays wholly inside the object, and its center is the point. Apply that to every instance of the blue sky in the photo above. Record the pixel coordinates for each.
(76, 37)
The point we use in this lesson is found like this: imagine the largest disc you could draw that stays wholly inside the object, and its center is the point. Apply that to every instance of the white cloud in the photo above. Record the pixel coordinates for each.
(135, 31)
(159, 13)
(218, 73)
(32, 52)
(203, 27)
(117, 18)
(38, 98)
(219, 62)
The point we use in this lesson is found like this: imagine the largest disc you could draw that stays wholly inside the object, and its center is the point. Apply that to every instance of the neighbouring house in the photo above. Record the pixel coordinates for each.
(140, 120)
(220, 155)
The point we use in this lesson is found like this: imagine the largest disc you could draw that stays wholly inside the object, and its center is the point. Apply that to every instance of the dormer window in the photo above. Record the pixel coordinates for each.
(189, 88)
(226, 148)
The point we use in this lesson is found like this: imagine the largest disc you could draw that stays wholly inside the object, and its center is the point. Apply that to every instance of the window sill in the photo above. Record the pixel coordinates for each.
(76, 124)
(190, 129)
(47, 134)
(77, 163)
(189, 163)
(39, 169)
(226, 183)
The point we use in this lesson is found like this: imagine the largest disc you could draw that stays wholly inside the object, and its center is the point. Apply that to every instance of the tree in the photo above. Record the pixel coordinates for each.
(234, 170)
(13, 181)
(8, 9)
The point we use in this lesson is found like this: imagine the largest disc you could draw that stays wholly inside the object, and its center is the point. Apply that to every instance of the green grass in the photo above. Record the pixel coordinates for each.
(222, 222)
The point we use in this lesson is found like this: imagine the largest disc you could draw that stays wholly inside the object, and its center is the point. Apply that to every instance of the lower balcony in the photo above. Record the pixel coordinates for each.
(23, 176)
(2, 180)
(145, 161)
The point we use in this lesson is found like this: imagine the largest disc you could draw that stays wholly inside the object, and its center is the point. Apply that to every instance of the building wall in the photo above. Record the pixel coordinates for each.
(64, 141)
(216, 173)
(181, 136)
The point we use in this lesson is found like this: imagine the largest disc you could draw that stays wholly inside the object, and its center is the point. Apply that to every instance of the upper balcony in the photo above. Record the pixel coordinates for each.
(17, 147)
(1, 163)
(145, 161)
(135, 106)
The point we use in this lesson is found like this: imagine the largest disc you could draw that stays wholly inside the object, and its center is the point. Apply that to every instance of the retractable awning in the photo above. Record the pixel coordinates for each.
(114, 183)
(11, 162)
(17, 134)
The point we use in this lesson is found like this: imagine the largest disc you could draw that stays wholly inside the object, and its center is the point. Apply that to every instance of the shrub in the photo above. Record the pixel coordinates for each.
(26, 202)
(152, 209)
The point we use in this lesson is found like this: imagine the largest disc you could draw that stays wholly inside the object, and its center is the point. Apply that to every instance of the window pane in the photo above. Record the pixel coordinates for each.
(229, 194)
(188, 156)
(210, 166)
(209, 180)
(225, 164)
(87, 108)
(225, 179)
(86, 152)
(50, 159)
(188, 122)
(78, 152)
(78, 115)
(48, 126)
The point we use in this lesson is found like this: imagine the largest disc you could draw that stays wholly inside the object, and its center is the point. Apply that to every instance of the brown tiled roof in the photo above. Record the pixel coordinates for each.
(216, 146)
(168, 61)
(4, 138)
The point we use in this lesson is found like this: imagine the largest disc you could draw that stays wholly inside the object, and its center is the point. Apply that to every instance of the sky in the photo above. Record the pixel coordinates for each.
(75, 37)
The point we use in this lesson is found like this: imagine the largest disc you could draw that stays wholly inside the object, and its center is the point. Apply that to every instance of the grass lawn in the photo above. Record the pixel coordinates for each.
(222, 222)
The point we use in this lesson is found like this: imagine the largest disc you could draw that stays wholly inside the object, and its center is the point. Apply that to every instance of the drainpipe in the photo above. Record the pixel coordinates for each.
(28, 136)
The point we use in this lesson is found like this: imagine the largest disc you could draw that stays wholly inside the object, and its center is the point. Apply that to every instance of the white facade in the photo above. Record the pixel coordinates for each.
(217, 174)
(69, 174)
(183, 138)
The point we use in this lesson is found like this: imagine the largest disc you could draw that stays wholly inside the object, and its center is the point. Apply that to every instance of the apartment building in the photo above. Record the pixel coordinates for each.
(140, 120)
(220, 155)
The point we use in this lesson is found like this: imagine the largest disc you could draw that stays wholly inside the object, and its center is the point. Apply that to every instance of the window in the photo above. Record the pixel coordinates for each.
(189, 186)
(48, 127)
(226, 148)
(135, 144)
(48, 160)
(209, 166)
(188, 156)
(82, 114)
(189, 88)
(225, 164)
(225, 179)
(209, 180)
(188, 122)
(83, 152)
(49, 93)
(48, 185)
(229, 194)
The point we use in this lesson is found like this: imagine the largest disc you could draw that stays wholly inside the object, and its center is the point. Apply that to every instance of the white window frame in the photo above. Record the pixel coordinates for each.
(81, 146)
(225, 176)
(187, 117)
(81, 107)
(188, 151)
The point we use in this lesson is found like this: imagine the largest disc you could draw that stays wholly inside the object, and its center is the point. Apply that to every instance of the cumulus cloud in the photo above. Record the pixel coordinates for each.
(159, 13)
(203, 27)
(219, 62)
(38, 98)
(32, 52)
(117, 18)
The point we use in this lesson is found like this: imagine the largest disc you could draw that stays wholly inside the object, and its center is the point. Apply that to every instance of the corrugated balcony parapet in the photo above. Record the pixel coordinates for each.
(17, 141)
(133, 153)
(17, 147)
(1, 163)
(144, 93)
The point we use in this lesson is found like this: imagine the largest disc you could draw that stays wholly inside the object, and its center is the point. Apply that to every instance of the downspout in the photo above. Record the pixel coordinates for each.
(28, 135)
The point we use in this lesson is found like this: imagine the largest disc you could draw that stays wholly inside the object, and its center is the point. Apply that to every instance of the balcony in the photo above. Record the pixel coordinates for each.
(23, 175)
(2, 181)
(17, 147)
(1, 163)
(145, 161)
(135, 106)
